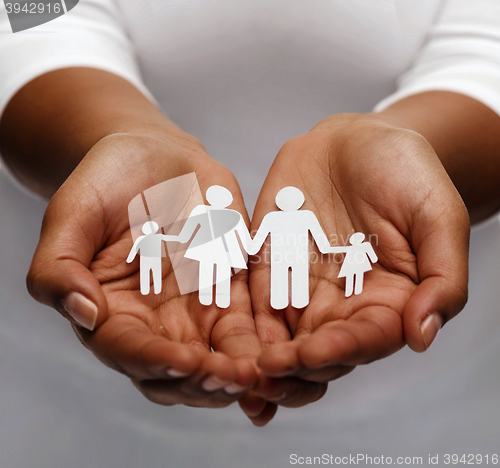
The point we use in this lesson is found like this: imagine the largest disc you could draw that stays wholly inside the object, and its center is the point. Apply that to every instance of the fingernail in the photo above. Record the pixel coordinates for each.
(234, 388)
(176, 374)
(278, 398)
(430, 327)
(212, 383)
(82, 310)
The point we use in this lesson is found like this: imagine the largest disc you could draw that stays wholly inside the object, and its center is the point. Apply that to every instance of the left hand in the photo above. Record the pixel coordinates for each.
(164, 343)
(361, 173)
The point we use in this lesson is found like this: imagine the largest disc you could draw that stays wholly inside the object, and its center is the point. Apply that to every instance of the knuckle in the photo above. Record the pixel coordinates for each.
(34, 282)
(461, 296)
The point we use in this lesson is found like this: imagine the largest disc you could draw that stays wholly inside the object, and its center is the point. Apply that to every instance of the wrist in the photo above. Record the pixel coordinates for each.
(166, 133)
(465, 134)
(55, 120)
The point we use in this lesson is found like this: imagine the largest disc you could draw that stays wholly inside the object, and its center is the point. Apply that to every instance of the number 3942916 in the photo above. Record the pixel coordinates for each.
(34, 8)
(470, 459)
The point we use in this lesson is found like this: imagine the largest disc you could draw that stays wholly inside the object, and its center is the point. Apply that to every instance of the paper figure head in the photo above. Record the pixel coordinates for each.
(219, 197)
(150, 227)
(357, 238)
(290, 199)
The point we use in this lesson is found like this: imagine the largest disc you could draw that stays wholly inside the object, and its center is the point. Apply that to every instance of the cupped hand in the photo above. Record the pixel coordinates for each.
(361, 173)
(174, 349)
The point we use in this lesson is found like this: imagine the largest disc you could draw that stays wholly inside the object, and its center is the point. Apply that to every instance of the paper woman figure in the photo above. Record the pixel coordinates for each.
(215, 244)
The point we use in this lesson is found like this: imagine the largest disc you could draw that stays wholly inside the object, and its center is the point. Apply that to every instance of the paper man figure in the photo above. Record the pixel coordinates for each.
(215, 244)
(289, 230)
(149, 249)
(355, 263)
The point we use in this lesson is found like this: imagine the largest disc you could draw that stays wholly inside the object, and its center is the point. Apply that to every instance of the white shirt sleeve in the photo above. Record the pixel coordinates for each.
(89, 35)
(461, 54)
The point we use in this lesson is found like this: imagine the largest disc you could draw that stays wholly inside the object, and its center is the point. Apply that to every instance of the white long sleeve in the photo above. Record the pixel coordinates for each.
(461, 54)
(90, 35)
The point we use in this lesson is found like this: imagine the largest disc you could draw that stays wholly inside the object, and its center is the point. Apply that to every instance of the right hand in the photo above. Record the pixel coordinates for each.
(162, 342)
(361, 173)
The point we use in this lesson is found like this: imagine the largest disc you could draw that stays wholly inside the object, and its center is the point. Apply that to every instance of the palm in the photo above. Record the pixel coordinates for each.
(151, 324)
(356, 176)
(153, 339)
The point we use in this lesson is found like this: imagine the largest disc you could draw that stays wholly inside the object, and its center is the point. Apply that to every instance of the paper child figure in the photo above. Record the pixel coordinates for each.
(289, 230)
(148, 247)
(215, 244)
(355, 263)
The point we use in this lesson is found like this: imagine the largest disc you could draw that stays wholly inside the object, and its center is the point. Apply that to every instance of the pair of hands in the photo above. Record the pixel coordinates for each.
(357, 172)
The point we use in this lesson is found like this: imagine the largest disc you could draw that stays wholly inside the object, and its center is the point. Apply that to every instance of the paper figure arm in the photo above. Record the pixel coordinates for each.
(189, 227)
(336, 249)
(320, 237)
(371, 253)
(262, 233)
(166, 238)
(244, 235)
(134, 250)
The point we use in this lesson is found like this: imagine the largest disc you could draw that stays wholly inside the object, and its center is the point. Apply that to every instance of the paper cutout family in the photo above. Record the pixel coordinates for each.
(215, 246)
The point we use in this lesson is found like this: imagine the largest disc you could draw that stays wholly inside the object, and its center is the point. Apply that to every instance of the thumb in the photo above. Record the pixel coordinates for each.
(59, 274)
(442, 249)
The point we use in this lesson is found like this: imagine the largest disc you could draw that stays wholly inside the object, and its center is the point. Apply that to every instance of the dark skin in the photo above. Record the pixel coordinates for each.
(373, 178)
(401, 174)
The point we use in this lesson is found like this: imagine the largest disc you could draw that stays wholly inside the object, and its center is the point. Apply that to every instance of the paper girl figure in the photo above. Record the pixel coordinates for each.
(215, 244)
(148, 247)
(355, 263)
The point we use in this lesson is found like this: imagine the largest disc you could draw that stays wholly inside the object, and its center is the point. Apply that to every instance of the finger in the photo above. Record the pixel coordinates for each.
(327, 374)
(218, 372)
(182, 392)
(207, 387)
(290, 391)
(127, 345)
(442, 248)
(370, 334)
(281, 359)
(59, 275)
(258, 410)
(271, 325)
(235, 336)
